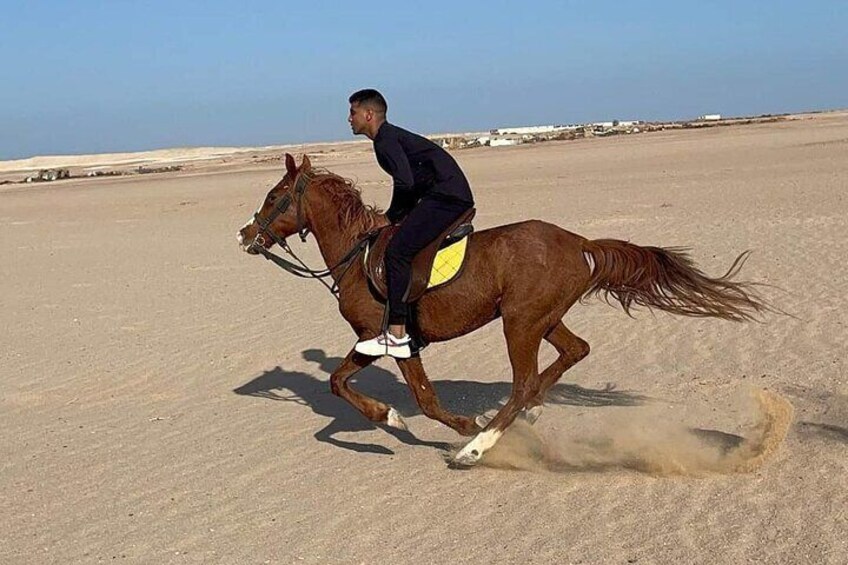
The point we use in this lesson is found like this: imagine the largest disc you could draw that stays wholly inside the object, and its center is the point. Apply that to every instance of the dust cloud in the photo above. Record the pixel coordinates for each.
(648, 443)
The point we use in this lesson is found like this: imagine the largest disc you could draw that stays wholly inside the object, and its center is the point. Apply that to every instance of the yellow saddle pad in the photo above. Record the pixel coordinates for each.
(448, 262)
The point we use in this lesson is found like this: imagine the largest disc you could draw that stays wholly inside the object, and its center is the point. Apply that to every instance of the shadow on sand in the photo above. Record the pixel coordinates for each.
(827, 431)
(463, 397)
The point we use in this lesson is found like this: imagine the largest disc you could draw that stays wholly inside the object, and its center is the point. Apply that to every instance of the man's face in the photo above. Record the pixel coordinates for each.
(359, 118)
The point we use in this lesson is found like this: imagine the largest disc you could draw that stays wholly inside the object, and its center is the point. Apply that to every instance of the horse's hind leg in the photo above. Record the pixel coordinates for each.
(523, 343)
(372, 409)
(571, 349)
(425, 396)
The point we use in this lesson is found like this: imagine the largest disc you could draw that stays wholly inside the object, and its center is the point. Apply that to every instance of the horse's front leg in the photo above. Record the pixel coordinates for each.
(425, 396)
(372, 409)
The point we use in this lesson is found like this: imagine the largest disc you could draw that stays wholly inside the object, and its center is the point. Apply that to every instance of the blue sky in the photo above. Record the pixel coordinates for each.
(84, 77)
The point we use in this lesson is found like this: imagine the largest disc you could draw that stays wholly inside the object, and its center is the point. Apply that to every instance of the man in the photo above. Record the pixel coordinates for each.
(430, 193)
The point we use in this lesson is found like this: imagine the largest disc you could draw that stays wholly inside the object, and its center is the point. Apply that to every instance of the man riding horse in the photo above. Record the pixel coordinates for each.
(430, 193)
(528, 274)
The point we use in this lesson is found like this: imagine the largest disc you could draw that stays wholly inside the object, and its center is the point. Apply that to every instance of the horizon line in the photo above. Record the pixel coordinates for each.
(239, 148)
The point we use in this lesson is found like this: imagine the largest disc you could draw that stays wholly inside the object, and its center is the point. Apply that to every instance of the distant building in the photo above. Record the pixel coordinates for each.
(524, 130)
(48, 175)
(559, 128)
(499, 142)
(710, 117)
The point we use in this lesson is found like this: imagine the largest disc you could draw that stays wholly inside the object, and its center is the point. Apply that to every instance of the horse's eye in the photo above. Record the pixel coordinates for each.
(271, 198)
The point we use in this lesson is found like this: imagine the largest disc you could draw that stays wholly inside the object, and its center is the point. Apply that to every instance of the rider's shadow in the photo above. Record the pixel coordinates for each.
(461, 396)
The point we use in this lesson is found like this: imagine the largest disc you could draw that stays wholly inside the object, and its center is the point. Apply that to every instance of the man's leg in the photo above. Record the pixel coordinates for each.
(425, 223)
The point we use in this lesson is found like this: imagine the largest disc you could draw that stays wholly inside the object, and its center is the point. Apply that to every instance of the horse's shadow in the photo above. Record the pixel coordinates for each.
(463, 397)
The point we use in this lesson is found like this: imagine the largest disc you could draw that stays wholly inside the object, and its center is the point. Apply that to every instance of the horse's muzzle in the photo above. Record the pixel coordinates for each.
(249, 244)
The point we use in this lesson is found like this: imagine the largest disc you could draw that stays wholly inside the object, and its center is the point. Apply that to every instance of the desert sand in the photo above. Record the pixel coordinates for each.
(165, 396)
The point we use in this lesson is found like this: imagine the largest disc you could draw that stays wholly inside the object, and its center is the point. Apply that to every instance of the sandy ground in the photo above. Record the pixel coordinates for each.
(165, 396)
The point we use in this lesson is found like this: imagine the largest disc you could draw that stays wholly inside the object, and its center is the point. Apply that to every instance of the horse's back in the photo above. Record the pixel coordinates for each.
(536, 229)
(533, 259)
(527, 245)
(531, 246)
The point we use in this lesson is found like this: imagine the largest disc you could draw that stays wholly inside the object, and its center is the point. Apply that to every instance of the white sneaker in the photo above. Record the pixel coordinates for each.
(386, 344)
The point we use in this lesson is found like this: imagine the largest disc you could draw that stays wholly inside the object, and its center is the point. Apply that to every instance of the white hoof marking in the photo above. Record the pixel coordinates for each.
(474, 450)
(394, 420)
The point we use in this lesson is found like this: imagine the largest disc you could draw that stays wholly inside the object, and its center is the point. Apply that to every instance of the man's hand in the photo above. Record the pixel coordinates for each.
(394, 218)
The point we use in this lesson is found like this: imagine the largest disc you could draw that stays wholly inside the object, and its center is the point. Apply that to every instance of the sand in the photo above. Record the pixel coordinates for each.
(165, 396)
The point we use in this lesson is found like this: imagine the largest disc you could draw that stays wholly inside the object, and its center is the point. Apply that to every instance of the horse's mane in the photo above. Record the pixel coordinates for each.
(348, 200)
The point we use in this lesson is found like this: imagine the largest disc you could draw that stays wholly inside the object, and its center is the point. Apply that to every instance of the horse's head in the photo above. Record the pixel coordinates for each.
(282, 213)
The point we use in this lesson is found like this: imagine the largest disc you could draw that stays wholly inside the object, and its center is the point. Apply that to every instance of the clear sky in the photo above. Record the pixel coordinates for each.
(84, 76)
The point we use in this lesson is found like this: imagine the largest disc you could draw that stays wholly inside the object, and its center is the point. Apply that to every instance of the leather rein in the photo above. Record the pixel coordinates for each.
(301, 270)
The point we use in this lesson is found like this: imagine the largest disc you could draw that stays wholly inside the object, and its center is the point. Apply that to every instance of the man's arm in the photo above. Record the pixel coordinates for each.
(394, 161)
(402, 203)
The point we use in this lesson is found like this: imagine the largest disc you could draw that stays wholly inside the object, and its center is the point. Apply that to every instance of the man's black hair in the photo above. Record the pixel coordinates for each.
(369, 97)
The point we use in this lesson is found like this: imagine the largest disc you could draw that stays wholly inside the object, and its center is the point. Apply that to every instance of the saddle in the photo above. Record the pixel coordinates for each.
(435, 265)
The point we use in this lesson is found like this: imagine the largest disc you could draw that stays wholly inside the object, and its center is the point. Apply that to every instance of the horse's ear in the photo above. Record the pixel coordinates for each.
(291, 167)
(306, 163)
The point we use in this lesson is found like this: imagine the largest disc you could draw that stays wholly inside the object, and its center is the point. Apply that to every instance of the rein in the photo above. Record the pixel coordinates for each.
(305, 272)
(301, 183)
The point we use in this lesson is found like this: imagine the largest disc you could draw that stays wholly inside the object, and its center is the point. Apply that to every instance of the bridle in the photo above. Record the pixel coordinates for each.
(302, 182)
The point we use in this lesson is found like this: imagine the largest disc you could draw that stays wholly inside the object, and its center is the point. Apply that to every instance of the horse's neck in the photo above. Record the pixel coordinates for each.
(334, 238)
(333, 241)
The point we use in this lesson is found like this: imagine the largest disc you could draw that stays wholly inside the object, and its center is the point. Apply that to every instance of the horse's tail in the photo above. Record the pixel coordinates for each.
(667, 279)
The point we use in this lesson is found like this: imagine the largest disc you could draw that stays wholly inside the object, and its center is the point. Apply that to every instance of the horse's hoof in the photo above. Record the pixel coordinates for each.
(482, 421)
(395, 420)
(531, 415)
(464, 460)
(471, 454)
(473, 451)
(457, 466)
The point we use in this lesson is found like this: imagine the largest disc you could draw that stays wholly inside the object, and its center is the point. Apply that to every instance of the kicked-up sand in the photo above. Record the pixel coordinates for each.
(165, 396)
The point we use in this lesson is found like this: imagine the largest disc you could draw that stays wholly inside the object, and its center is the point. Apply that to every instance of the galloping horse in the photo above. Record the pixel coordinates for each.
(529, 273)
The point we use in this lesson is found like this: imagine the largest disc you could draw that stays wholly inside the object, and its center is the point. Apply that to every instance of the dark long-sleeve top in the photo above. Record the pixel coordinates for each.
(418, 168)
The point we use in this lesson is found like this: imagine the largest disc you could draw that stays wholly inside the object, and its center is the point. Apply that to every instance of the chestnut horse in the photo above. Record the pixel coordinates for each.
(529, 273)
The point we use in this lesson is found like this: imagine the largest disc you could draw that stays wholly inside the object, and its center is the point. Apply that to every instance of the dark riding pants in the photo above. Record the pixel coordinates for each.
(425, 222)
